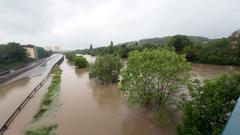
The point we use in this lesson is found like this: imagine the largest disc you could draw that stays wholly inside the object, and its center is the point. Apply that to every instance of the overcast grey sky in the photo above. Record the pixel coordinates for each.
(73, 24)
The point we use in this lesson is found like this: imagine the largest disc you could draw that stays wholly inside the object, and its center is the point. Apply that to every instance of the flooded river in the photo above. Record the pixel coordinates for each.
(87, 107)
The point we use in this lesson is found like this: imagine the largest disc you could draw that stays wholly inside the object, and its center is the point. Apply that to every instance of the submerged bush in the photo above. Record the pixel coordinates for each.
(210, 106)
(80, 62)
(42, 131)
(106, 69)
(155, 78)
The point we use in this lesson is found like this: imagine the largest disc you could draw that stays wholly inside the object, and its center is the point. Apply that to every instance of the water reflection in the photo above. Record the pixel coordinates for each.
(107, 96)
(79, 72)
(204, 71)
(5, 89)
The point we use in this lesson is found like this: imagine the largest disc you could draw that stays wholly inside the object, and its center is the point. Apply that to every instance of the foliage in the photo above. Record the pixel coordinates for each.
(179, 42)
(12, 52)
(51, 96)
(123, 49)
(106, 69)
(218, 51)
(80, 62)
(210, 105)
(70, 56)
(41, 52)
(41, 131)
(155, 78)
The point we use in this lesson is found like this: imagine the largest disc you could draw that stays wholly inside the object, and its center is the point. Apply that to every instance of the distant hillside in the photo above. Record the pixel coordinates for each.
(163, 40)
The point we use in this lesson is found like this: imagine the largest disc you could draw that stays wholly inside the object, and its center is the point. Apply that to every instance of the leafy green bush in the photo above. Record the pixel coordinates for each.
(106, 69)
(210, 106)
(80, 62)
(154, 78)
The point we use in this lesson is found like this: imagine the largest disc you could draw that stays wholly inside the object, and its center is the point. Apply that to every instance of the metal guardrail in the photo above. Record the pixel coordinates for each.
(25, 101)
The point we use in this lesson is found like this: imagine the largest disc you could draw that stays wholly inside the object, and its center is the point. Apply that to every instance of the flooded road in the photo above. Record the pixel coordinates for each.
(13, 92)
(89, 108)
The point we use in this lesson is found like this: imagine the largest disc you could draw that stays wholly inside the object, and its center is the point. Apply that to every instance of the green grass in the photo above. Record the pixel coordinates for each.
(42, 130)
(51, 96)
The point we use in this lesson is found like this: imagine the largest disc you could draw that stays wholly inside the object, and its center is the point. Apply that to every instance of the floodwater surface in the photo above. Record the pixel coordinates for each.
(89, 108)
(14, 91)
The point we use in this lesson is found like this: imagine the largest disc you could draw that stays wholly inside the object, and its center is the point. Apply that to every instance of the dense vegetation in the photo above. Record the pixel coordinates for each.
(13, 55)
(210, 106)
(224, 51)
(51, 96)
(12, 52)
(80, 62)
(106, 69)
(155, 78)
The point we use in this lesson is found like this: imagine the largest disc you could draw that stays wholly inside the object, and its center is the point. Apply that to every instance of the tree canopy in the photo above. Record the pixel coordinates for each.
(106, 69)
(210, 105)
(155, 78)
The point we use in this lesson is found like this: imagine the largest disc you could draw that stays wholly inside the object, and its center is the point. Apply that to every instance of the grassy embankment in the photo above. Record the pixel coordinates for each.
(48, 102)
(51, 96)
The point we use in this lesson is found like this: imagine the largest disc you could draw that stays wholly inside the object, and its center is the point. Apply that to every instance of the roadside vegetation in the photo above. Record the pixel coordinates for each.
(48, 130)
(106, 69)
(155, 79)
(210, 105)
(13, 55)
(49, 99)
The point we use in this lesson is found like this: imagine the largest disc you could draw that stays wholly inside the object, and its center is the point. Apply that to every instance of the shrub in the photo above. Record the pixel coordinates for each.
(210, 106)
(80, 62)
(106, 69)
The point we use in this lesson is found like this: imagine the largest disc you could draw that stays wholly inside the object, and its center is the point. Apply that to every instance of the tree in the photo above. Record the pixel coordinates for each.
(235, 40)
(210, 105)
(106, 69)
(111, 44)
(80, 62)
(91, 47)
(179, 42)
(155, 78)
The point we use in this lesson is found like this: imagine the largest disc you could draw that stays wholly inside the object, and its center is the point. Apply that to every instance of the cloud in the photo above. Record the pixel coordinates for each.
(73, 24)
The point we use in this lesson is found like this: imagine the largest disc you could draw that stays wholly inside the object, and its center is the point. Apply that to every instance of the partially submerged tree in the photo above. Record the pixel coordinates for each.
(155, 78)
(80, 62)
(106, 69)
(210, 106)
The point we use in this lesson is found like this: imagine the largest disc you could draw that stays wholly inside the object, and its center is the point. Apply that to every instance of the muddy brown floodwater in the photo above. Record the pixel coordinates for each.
(89, 108)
